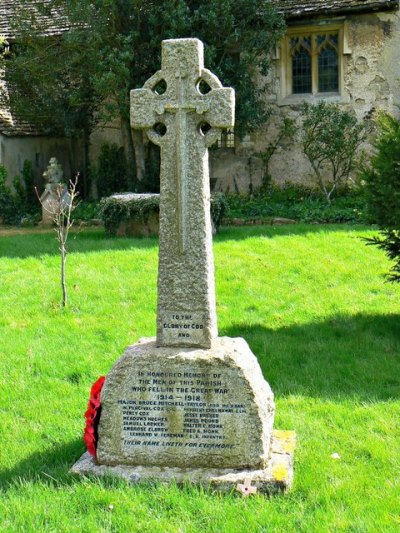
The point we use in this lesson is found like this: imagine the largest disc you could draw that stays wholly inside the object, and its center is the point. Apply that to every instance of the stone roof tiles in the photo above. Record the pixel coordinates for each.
(51, 19)
(310, 8)
(10, 124)
(53, 23)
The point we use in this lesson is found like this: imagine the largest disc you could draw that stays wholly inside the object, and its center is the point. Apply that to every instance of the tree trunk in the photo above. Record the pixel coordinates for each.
(134, 173)
(63, 284)
(86, 163)
(140, 155)
(321, 182)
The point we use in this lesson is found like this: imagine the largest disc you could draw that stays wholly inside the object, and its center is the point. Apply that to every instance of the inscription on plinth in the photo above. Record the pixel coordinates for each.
(183, 396)
(186, 408)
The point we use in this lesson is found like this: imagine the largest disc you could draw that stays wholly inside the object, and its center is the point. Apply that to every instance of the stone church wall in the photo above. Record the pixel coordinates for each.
(371, 81)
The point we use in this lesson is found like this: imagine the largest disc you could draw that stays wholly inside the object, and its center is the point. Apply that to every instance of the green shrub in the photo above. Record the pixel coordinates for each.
(110, 173)
(117, 209)
(20, 206)
(87, 210)
(382, 189)
(330, 138)
(300, 203)
(8, 204)
(219, 208)
(285, 132)
(20, 191)
(151, 178)
(25, 193)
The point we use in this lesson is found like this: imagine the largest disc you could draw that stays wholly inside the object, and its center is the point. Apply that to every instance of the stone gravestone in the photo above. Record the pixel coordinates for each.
(54, 192)
(188, 404)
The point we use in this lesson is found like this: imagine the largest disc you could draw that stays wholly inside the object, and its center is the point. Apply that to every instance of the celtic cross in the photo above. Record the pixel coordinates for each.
(183, 108)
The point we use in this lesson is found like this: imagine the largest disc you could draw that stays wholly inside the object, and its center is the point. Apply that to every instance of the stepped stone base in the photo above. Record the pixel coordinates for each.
(276, 477)
(186, 414)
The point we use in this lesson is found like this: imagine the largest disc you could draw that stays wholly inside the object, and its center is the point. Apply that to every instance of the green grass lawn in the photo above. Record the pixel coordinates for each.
(313, 304)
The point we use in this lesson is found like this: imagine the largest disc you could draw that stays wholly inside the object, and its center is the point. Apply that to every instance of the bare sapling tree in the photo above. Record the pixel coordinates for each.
(60, 211)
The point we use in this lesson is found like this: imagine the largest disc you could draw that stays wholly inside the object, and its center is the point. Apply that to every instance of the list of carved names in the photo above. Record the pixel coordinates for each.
(179, 409)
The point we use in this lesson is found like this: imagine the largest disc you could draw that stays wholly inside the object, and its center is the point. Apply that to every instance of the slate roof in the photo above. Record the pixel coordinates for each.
(310, 8)
(11, 125)
(52, 20)
(54, 24)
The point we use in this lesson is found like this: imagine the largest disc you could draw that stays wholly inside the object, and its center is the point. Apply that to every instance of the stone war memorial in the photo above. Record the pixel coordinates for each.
(188, 405)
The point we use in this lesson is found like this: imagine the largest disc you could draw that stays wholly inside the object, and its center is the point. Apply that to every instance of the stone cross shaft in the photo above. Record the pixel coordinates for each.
(184, 122)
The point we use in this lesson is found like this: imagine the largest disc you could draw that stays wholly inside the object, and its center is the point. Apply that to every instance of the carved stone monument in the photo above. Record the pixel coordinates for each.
(188, 404)
(186, 267)
(54, 192)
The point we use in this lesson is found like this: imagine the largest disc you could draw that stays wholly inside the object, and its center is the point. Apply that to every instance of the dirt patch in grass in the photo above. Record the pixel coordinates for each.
(8, 231)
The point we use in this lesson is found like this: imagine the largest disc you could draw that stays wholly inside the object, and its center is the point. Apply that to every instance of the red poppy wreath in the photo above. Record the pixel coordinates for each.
(92, 416)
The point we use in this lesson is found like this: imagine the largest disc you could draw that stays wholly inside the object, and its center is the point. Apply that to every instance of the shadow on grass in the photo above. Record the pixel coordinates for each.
(50, 465)
(354, 357)
(38, 244)
(234, 233)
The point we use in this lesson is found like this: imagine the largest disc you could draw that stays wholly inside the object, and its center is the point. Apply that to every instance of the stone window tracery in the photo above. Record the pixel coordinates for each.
(315, 63)
(227, 139)
(311, 61)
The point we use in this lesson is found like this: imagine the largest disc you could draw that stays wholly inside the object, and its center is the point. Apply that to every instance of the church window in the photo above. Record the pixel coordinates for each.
(311, 61)
(315, 63)
(227, 139)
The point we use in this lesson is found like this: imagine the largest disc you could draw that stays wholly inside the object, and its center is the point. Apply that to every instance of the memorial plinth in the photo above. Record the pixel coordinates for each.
(188, 405)
(188, 408)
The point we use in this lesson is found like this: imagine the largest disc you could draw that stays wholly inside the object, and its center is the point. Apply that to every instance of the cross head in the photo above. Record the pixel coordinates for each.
(181, 97)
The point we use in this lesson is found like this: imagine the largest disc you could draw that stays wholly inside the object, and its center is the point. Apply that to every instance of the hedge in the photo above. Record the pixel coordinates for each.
(120, 208)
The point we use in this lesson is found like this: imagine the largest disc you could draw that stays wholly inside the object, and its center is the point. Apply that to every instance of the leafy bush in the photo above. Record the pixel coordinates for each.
(110, 173)
(8, 205)
(21, 206)
(219, 208)
(330, 137)
(86, 210)
(382, 189)
(299, 203)
(123, 208)
(151, 178)
(286, 131)
(25, 193)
